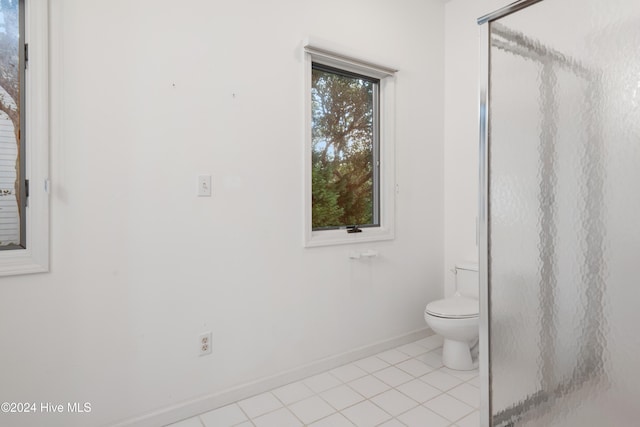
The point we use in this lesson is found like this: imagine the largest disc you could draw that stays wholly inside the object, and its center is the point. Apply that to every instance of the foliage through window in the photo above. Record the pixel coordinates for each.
(345, 149)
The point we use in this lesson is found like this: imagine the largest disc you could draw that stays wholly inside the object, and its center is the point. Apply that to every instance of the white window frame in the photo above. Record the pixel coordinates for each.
(386, 231)
(35, 257)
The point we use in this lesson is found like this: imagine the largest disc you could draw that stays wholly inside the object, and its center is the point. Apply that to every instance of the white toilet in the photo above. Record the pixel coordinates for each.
(457, 319)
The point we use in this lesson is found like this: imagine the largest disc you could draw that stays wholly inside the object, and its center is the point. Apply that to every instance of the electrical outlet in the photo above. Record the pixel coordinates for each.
(205, 343)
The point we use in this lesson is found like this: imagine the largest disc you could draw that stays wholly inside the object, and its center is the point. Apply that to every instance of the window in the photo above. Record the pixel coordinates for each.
(344, 157)
(24, 137)
(349, 156)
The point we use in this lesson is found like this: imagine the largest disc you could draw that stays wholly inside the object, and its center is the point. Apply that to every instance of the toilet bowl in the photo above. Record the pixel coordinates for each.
(457, 319)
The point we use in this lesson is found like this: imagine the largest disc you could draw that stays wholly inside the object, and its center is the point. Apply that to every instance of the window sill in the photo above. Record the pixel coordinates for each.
(22, 261)
(341, 237)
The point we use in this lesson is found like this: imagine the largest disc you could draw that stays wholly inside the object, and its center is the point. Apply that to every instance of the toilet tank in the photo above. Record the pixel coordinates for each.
(467, 281)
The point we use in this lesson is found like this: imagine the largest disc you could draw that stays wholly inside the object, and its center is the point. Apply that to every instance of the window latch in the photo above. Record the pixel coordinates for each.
(354, 229)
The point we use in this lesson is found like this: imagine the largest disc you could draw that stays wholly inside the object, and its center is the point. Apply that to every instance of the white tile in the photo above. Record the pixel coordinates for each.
(422, 417)
(412, 349)
(311, 409)
(393, 356)
(394, 402)
(393, 376)
(471, 420)
(414, 367)
(366, 414)
(245, 424)
(441, 380)
(419, 391)
(279, 418)
(392, 423)
(341, 397)
(466, 393)
(448, 407)
(335, 420)
(474, 382)
(431, 342)
(293, 392)
(348, 373)
(463, 375)
(432, 359)
(369, 386)
(372, 364)
(189, 422)
(260, 404)
(322, 382)
(229, 415)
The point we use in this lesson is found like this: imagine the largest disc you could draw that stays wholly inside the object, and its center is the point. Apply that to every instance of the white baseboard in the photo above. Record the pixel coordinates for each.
(209, 402)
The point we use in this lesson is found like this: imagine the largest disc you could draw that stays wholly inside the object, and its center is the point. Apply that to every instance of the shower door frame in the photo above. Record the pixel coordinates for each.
(550, 59)
(483, 208)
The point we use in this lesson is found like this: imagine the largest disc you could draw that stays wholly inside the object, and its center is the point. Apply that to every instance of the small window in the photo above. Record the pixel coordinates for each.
(345, 143)
(24, 137)
(349, 153)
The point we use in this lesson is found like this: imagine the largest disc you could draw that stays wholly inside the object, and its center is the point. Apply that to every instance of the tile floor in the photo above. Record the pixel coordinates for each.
(405, 386)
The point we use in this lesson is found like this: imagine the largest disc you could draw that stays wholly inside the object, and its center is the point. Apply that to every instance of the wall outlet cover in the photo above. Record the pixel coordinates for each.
(205, 343)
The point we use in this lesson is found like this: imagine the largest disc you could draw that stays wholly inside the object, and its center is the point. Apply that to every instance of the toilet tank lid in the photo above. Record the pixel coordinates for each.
(454, 307)
(471, 266)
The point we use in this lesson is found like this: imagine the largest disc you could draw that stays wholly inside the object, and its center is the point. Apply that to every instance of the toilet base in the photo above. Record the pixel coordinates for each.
(457, 355)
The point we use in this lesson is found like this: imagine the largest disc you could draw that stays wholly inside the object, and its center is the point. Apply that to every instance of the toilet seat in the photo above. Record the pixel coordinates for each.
(457, 307)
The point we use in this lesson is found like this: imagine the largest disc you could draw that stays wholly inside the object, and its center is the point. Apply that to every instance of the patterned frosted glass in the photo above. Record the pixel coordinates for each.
(564, 215)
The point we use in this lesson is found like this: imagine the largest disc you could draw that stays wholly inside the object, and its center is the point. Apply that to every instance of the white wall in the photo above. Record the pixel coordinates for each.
(143, 103)
(462, 71)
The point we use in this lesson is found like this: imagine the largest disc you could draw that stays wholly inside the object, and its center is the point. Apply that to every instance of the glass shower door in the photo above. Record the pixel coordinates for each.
(562, 223)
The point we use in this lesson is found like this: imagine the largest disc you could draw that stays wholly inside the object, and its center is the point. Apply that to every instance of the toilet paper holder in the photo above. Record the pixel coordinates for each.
(369, 253)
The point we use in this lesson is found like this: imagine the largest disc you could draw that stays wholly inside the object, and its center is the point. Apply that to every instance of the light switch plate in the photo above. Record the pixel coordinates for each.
(204, 186)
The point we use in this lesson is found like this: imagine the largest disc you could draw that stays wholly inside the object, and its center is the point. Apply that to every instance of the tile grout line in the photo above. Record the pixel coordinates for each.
(245, 413)
(284, 405)
(350, 406)
(201, 422)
